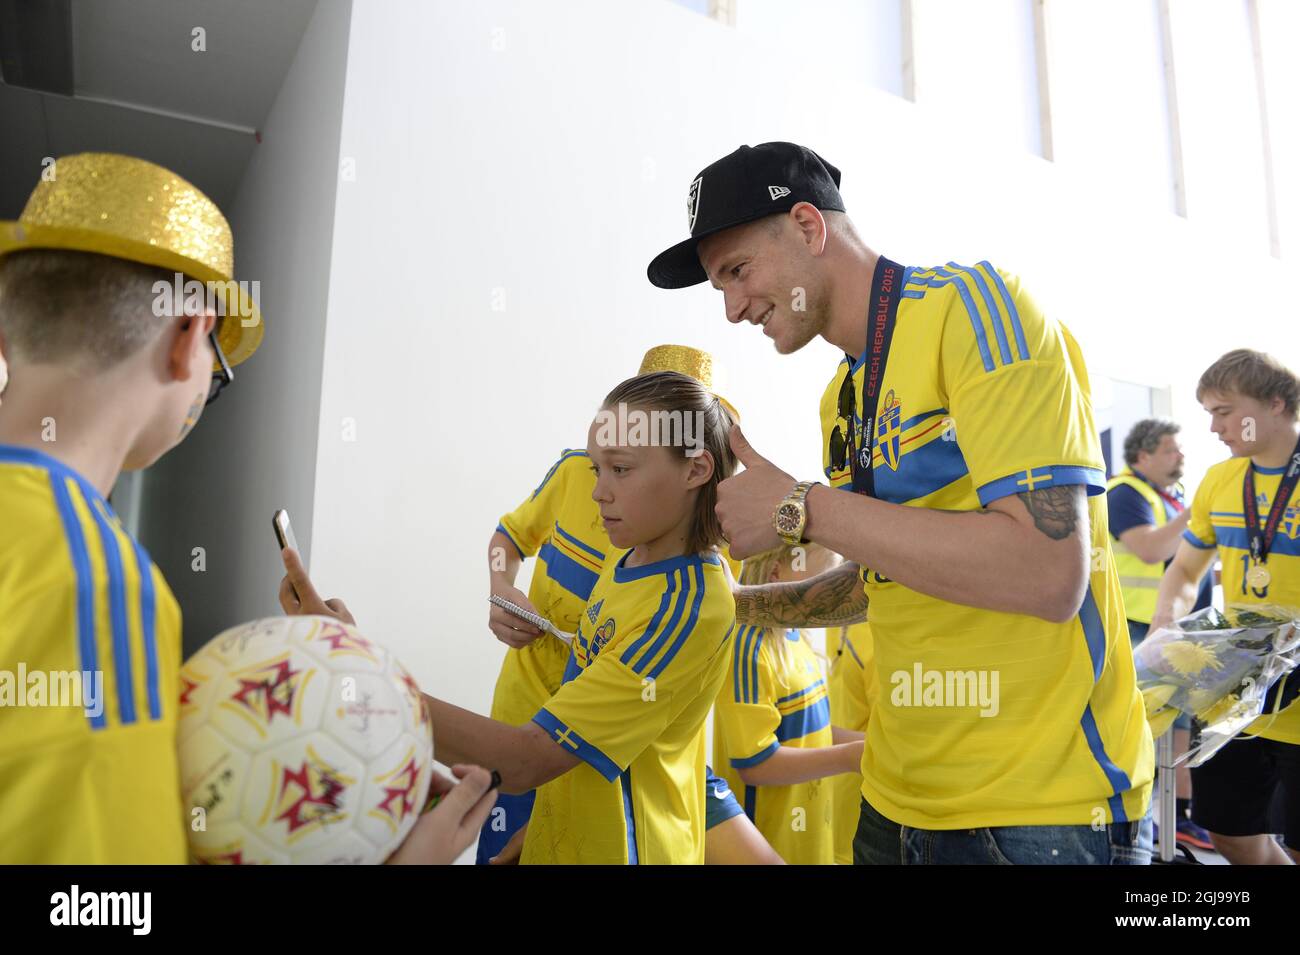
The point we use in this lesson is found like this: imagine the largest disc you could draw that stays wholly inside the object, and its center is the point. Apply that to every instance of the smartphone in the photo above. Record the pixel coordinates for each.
(284, 530)
(284, 535)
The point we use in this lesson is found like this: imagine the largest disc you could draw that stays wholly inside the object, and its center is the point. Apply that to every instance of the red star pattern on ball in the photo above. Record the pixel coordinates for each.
(270, 695)
(318, 795)
(404, 794)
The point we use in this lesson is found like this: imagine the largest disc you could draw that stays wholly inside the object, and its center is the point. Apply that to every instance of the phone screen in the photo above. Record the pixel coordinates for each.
(284, 530)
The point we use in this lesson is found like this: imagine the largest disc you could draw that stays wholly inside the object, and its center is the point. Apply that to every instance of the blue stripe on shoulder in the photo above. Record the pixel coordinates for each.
(995, 315)
(148, 624)
(666, 633)
(687, 628)
(117, 615)
(655, 622)
(85, 582)
(1010, 304)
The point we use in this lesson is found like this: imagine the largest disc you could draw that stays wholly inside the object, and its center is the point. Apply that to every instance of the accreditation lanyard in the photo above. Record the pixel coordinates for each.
(1262, 540)
(886, 290)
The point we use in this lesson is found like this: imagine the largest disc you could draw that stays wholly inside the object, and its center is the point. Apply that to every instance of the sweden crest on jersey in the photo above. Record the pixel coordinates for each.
(888, 431)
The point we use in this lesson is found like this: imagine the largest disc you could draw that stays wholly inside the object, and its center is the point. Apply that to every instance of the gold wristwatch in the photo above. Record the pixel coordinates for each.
(791, 515)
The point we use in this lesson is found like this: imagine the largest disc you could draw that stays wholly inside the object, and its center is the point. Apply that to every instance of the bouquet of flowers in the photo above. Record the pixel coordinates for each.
(1224, 668)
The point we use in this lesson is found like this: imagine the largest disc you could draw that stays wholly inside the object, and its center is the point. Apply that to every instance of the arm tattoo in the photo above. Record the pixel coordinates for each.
(1055, 510)
(835, 598)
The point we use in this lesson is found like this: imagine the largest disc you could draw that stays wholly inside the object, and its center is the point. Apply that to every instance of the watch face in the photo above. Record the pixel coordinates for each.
(787, 517)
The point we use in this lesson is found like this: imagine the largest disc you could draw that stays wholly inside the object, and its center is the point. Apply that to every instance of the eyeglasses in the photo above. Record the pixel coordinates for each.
(847, 409)
(219, 378)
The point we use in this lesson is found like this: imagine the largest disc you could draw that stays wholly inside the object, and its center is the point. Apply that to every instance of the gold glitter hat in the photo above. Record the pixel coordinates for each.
(691, 362)
(132, 209)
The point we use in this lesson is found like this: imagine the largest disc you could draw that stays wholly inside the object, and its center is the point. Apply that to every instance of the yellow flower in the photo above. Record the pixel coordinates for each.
(1187, 657)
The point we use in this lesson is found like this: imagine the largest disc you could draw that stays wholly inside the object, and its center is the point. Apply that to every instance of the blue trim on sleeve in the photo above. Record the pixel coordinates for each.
(1196, 541)
(757, 757)
(569, 739)
(1031, 479)
(501, 529)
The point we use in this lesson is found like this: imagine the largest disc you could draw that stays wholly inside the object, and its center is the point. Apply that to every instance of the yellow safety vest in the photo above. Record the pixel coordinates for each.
(1139, 580)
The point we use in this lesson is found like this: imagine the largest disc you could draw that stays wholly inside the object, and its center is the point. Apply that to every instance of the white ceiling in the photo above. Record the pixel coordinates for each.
(141, 89)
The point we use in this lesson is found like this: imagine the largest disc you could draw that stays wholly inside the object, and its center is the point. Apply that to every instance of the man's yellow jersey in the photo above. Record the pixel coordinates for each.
(1219, 521)
(85, 777)
(649, 654)
(986, 718)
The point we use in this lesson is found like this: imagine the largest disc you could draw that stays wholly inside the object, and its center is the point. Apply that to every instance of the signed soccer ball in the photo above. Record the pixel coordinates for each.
(301, 741)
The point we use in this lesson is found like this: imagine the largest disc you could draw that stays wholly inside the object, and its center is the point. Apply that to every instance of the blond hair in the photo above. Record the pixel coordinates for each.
(1253, 374)
(62, 306)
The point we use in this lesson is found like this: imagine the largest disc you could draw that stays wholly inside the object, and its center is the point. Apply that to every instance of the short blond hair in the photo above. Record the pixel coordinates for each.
(1253, 374)
(59, 306)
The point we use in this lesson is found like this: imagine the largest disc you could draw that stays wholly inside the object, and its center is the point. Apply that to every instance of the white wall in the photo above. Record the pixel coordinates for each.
(534, 156)
(255, 448)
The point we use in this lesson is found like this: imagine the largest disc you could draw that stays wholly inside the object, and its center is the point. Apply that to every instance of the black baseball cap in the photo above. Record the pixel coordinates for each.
(752, 182)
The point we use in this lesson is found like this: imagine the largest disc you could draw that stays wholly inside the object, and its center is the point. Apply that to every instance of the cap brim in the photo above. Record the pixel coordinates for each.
(678, 267)
(239, 337)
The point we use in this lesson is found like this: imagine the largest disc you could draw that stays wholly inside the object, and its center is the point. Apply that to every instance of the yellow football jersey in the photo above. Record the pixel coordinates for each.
(648, 657)
(560, 524)
(987, 718)
(1219, 520)
(771, 699)
(852, 685)
(85, 778)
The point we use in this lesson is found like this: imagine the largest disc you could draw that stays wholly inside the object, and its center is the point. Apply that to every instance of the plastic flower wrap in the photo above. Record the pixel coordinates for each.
(1225, 669)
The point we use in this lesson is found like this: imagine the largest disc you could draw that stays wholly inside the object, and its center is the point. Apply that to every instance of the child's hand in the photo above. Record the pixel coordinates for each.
(509, 855)
(298, 597)
(451, 827)
(511, 630)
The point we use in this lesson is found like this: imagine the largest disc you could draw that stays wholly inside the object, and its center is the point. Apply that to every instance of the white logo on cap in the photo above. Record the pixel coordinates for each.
(778, 191)
(693, 203)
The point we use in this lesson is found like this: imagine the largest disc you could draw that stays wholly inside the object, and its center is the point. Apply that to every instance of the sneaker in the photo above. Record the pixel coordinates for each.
(1189, 833)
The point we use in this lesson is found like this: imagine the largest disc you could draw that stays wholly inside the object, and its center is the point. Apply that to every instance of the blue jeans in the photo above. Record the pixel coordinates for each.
(881, 842)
